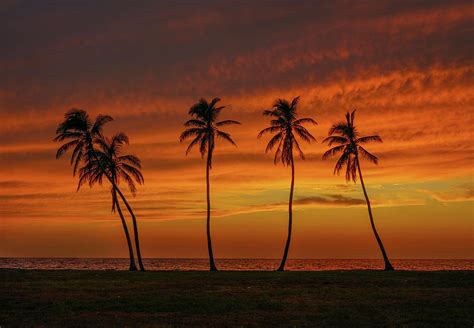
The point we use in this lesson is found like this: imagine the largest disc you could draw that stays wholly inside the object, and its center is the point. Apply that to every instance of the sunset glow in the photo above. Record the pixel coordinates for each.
(406, 66)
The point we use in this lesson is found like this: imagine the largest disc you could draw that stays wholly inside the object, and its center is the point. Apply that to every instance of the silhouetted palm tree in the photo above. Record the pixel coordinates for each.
(286, 126)
(81, 135)
(203, 128)
(119, 167)
(348, 141)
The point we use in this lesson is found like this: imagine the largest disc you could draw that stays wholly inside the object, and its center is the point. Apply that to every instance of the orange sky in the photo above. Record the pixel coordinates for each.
(406, 67)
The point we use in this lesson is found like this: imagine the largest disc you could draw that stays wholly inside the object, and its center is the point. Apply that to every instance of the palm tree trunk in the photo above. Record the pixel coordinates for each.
(129, 208)
(212, 265)
(135, 230)
(388, 265)
(290, 218)
(133, 266)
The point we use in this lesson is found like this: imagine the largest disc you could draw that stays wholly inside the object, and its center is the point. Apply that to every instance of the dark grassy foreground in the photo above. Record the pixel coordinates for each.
(349, 298)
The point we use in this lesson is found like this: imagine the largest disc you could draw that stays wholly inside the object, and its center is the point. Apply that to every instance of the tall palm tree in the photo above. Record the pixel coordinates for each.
(81, 134)
(119, 167)
(204, 128)
(349, 145)
(286, 126)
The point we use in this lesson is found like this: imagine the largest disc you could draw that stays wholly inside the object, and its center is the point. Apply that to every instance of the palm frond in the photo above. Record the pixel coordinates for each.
(114, 197)
(193, 143)
(100, 121)
(64, 148)
(195, 123)
(341, 162)
(77, 152)
(130, 183)
(199, 108)
(278, 152)
(270, 129)
(203, 146)
(276, 112)
(84, 176)
(300, 152)
(366, 139)
(119, 139)
(370, 157)
(333, 151)
(352, 117)
(132, 171)
(303, 133)
(331, 140)
(351, 169)
(340, 128)
(281, 104)
(131, 160)
(213, 102)
(295, 101)
(225, 136)
(77, 161)
(61, 136)
(273, 141)
(305, 120)
(227, 122)
(280, 122)
(287, 149)
(190, 133)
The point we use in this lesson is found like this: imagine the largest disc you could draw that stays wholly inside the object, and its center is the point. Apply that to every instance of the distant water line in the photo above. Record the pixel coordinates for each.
(233, 264)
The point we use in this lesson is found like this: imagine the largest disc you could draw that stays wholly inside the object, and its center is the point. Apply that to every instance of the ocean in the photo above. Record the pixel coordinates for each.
(232, 264)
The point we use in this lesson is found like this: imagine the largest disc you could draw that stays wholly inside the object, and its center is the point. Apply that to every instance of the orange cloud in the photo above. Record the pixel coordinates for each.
(406, 67)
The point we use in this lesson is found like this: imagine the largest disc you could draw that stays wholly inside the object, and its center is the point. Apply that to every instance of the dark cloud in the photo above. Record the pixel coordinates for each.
(55, 53)
(12, 184)
(330, 200)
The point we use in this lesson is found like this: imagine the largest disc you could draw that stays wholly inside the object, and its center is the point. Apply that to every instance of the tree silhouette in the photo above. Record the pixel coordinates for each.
(285, 126)
(81, 134)
(348, 141)
(203, 128)
(118, 167)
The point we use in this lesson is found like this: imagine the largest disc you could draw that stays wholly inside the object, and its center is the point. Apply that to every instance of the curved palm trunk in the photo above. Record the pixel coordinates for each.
(133, 266)
(129, 208)
(212, 265)
(135, 229)
(290, 218)
(388, 265)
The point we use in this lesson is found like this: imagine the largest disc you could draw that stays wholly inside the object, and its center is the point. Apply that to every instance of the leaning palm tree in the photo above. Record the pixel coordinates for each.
(81, 134)
(349, 144)
(119, 167)
(286, 126)
(203, 128)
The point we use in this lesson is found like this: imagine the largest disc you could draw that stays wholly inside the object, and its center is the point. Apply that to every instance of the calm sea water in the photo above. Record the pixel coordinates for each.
(232, 264)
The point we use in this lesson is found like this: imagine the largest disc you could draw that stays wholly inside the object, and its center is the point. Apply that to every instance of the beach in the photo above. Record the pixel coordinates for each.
(236, 298)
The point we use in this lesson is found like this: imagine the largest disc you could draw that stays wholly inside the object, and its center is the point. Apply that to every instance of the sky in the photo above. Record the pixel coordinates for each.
(406, 66)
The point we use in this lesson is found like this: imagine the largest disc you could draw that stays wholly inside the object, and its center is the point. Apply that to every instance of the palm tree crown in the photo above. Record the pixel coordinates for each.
(286, 125)
(204, 127)
(80, 133)
(118, 167)
(348, 141)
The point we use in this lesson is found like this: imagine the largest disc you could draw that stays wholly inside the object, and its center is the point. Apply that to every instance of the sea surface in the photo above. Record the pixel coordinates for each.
(232, 264)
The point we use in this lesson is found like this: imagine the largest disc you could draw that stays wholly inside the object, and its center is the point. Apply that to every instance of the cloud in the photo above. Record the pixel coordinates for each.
(462, 193)
(13, 184)
(336, 200)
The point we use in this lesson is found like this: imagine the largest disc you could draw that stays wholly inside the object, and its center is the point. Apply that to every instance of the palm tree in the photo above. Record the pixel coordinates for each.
(286, 126)
(203, 128)
(81, 135)
(119, 167)
(348, 141)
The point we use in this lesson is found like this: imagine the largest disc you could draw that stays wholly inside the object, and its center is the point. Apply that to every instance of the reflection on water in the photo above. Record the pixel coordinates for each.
(232, 264)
